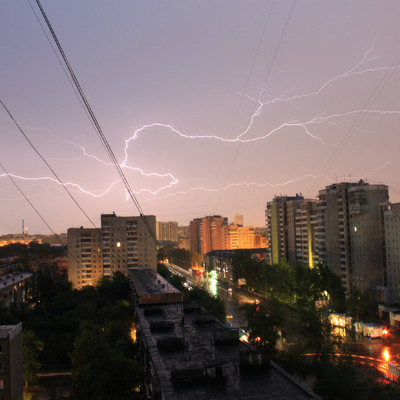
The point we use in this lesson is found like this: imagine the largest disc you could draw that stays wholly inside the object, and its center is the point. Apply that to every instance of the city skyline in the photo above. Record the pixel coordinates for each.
(210, 107)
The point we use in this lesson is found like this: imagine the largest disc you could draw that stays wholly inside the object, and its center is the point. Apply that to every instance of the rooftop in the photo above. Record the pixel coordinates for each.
(151, 288)
(9, 330)
(13, 278)
(191, 355)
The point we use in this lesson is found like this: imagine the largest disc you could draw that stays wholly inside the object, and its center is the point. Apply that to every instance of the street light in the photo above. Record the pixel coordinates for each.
(385, 333)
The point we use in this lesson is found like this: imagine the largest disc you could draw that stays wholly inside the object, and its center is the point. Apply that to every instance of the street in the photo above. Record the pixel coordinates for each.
(368, 353)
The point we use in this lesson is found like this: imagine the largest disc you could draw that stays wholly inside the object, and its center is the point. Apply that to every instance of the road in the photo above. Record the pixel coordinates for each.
(365, 352)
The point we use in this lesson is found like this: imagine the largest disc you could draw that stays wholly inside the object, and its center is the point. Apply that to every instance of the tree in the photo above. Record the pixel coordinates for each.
(115, 288)
(100, 369)
(213, 304)
(318, 330)
(359, 304)
(242, 262)
(265, 321)
(31, 347)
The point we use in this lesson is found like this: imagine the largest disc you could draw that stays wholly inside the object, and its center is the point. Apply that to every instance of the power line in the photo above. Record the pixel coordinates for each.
(38, 213)
(99, 131)
(47, 164)
(374, 95)
(56, 176)
(278, 45)
(30, 203)
(236, 116)
(270, 66)
(59, 61)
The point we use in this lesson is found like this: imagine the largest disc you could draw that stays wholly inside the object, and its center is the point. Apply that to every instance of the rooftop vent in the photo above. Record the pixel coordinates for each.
(188, 376)
(254, 360)
(161, 326)
(191, 306)
(153, 311)
(171, 343)
(204, 318)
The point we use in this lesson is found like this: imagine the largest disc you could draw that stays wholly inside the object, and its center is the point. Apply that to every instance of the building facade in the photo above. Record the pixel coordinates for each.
(15, 289)
(343, 229)
(305, 234)
(11, 372)
(195, 236)
(121, 244)
(392, 241)
(167, 231)
(280, 218)
(213, 233)
(349, 232)
(242, 237)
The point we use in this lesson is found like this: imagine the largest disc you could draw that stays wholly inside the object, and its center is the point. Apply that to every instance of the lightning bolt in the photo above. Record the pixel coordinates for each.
(360, 68)
(242, 184)
(74, 185)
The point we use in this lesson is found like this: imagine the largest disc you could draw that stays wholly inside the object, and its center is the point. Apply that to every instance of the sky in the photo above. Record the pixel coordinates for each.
(210, 107)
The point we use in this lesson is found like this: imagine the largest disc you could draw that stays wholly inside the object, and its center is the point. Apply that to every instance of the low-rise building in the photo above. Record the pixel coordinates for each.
(15, 289)
(188, 354)
(11, 373)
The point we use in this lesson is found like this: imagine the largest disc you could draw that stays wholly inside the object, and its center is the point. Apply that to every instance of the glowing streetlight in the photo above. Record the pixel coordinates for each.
(386, 354)
(385, 333)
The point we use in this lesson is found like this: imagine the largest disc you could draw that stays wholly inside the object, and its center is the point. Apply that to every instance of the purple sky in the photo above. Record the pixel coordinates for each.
(245, 105)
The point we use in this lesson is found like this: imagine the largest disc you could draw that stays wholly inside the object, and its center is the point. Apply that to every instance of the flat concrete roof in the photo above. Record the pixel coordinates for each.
(152, 288)
(194, 356)
(13, 278)
(9, 330)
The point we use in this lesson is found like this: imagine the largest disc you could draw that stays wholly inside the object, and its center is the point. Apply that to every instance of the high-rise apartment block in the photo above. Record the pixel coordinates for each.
(392, 248)
(238, 219)
(305, 221)
(195, 236)
(122, 243)
(167, 231)
(242, 237)
(343, 229)
(280, 218)
(349, 238)
(213, 233)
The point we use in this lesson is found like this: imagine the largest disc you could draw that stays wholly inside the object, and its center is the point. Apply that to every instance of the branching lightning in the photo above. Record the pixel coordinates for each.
(74, 185)
(360, 68)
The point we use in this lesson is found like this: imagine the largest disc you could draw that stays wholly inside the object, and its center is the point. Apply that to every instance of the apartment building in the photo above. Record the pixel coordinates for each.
(195, 236)
(392, 248)
(121, 244)
(213, 233)
(343, 229)
(349, 232)
(242, 237)
(280, 218)
(85, 261)
(11, 372)
(306, 218)
(367, 261)
(167, 231)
